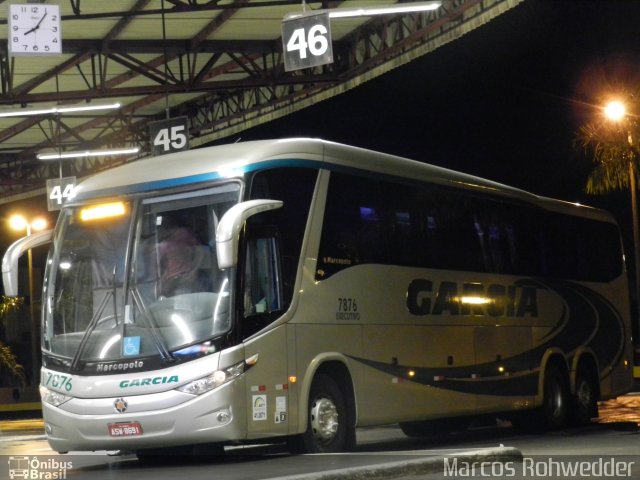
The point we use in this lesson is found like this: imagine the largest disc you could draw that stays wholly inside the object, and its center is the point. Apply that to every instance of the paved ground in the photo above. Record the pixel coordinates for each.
(382, 453)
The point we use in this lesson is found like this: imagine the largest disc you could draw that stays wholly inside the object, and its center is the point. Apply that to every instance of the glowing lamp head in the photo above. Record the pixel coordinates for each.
(615, 111)
(39, 224)
(17, 222)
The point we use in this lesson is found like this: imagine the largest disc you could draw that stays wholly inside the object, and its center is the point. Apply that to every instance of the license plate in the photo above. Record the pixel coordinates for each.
(129, 429)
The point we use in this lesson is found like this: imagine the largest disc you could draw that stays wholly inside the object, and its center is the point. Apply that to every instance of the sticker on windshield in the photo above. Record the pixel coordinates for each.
(131, 346)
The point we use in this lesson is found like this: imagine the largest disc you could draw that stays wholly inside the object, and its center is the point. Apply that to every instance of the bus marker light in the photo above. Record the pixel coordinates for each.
(293, 379)
(102, 210)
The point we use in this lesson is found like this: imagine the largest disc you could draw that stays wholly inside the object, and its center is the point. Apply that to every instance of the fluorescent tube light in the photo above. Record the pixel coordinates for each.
(384, 10)
(24, 113)
(88, 153)
(86, 108)
(370, 11)
(54, 110)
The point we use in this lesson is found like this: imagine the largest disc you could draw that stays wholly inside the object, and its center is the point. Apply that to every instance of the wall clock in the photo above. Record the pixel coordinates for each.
(34, 29)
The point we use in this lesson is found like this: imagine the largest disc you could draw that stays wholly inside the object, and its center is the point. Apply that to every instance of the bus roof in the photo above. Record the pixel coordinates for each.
(233, 160)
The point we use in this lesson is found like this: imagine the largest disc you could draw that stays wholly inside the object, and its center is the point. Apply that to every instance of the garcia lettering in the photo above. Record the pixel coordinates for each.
(143, 382)
(495, 300)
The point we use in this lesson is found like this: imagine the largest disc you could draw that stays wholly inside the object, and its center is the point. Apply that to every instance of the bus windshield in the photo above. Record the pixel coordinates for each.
(137, 279)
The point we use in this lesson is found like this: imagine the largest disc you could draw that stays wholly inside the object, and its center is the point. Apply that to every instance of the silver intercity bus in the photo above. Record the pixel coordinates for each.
(301, 288)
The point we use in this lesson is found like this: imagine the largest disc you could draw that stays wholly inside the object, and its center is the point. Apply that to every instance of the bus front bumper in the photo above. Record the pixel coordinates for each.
(147, 421)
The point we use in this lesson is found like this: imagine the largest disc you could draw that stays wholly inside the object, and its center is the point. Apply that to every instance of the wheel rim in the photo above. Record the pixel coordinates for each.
(556, 400)
(584, 394)
(324, 420)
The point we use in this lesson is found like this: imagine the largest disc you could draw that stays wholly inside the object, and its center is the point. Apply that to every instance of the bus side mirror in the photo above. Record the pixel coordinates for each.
(13, 254)
(228, 231)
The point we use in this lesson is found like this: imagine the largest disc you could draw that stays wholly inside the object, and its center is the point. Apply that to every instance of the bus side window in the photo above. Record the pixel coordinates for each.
(294, 186)
(262, 279)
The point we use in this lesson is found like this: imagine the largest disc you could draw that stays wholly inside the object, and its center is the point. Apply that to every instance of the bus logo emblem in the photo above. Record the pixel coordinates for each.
(120, 405)
(18, 467)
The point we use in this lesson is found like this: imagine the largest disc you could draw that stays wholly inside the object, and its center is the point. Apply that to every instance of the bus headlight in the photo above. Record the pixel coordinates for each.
(215, 379)
(52, 397)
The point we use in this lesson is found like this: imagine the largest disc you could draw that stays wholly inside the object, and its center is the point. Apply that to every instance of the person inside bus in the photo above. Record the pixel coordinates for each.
(181, 257)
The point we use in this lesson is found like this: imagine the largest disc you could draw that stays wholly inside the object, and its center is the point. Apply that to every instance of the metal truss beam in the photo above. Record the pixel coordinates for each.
(261, 91)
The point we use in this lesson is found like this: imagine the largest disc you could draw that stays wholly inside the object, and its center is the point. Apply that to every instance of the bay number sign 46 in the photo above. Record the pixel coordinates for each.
(306, 41)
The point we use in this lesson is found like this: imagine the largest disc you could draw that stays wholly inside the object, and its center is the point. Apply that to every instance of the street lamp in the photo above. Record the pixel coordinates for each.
(20, 223)
(617, 112)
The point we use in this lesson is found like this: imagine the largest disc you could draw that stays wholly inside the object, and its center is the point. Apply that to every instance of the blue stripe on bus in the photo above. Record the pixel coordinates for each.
(194, 179)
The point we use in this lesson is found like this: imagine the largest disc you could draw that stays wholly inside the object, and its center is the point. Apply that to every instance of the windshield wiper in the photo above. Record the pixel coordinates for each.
(92, 326)
(152, 325)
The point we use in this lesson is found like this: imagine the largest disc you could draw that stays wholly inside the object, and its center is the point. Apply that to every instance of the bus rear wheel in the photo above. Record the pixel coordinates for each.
(328, 423)
(585, 398)
(555, 406)
(553, 414)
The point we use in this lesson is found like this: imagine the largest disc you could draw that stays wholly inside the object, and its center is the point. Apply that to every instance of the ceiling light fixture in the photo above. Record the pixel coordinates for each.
(384, 10)
(88, 153)
(58, 110)
(370, 11)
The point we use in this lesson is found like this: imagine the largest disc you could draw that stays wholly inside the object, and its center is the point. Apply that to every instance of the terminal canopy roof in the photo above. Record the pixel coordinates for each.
(217, 62)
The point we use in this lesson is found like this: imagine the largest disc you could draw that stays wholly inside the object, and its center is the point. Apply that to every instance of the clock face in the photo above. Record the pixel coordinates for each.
(34, 29)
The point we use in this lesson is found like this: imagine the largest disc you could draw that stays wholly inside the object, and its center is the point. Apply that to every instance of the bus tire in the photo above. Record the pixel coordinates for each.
(555, 403)
(328, 423)
(585, 398)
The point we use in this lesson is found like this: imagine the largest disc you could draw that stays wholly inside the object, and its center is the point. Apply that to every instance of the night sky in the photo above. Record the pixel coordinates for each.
(503, 102)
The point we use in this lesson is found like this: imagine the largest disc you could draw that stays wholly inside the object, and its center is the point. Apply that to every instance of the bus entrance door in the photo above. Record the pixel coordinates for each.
(268, 402)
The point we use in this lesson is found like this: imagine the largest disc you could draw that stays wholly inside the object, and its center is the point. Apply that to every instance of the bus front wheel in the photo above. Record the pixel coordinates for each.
(328, 421)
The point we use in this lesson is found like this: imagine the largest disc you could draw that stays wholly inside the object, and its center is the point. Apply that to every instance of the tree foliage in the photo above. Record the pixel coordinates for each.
(8, 360)
(613, 146)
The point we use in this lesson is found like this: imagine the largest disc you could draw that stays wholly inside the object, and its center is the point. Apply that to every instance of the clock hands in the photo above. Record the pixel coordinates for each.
(37, 25)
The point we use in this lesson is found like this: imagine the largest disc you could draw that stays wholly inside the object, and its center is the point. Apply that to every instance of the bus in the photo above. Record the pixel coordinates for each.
(297, 289)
